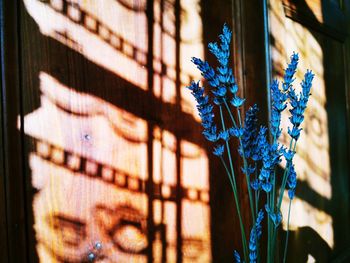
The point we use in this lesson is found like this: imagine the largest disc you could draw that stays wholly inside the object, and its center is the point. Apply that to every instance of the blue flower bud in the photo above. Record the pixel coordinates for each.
(248, 170)
(222, 70)
(276, 218)
(214, 82)
(237, 257)
(294, 133)
(288, 155)
(255, 184)
(224, 135)
(266, 187)
(291, 193)
(237, 101)
(264, 174)
(234, 88)
(210, 134)
(218, 150)
(236, 132)
(219, 92)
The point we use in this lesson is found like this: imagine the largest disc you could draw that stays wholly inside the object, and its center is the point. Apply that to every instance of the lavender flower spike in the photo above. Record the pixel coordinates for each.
(290, 71)
(292, 181)
(255, 235)
(237, 257)
(298, 104)
(205, 111)
(279, 97)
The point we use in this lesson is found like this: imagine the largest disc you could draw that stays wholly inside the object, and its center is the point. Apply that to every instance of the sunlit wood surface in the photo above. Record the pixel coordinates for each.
(105, 174)
(103, 154)
(315, 211)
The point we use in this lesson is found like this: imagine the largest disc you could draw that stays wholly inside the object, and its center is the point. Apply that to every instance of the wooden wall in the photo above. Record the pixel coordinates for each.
(101, 141)
(317, 30)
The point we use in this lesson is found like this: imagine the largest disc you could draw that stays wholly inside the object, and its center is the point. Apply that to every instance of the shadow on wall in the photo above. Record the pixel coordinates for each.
(327, 120)
(111, 153)
(307, 245)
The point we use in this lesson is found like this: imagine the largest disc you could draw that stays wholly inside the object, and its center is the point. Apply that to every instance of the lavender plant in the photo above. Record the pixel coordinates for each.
(259, 147)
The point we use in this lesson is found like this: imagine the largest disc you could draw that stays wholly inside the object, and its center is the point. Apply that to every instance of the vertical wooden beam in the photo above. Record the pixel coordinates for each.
(246, 19)
(267, 47)
(346, 9)
(224, 226)
(150, 126)
(3, 218)
(254, 70)
(179, 256)
(12, 139)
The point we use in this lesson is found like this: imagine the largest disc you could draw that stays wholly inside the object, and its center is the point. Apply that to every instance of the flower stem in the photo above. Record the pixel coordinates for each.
(230, 113)
(287, 234)
(234, 188)
(257, 192)
(268, 233)
(251, 203)
(285, 177)
(283, 186)
(257, 197)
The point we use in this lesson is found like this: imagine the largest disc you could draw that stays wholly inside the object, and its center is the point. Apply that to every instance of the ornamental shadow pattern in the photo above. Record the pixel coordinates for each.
(110, 151)
(323, 183)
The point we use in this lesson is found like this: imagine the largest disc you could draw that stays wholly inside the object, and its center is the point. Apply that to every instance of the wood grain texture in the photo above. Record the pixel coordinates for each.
(320, 40)
(248, 61)
(12, 147)
(49, 60)
(75, 69)
(56, 70)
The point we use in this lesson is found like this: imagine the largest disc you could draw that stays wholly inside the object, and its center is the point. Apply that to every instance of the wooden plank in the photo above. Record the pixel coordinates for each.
(42, 53)
(246, 19)
(12, 139)
(3, 218)
(85, 79)
(323, 156)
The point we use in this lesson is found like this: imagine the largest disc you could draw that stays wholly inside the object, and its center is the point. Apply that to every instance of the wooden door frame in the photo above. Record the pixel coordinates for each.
(251, 68)
(12, 197)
